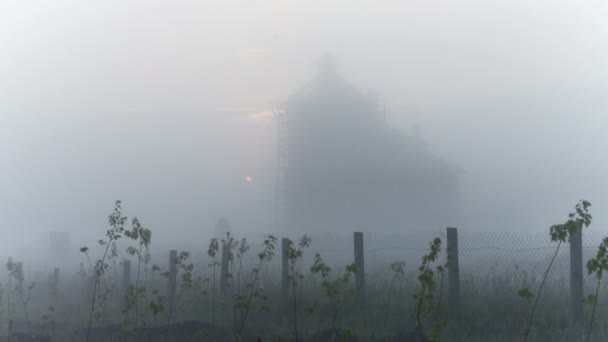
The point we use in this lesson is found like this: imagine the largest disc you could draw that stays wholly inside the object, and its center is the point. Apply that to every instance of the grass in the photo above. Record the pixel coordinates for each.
(490, 308)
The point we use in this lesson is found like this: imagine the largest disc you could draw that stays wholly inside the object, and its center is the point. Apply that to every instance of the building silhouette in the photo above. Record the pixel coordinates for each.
(343, 168)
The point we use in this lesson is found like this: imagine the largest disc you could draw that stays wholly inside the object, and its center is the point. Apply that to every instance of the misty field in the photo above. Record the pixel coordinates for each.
(308, 289)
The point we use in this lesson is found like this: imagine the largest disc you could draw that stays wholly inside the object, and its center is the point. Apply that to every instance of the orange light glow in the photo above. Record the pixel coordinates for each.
(248, 179)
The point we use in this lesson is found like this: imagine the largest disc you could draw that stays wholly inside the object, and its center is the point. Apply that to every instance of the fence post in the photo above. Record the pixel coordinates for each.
(576, 276)
(453, 271)
(56, 278)
(360, 267)
(54, 287)
(284, 267)
(224, 269)
(126, 276)
(172, 281)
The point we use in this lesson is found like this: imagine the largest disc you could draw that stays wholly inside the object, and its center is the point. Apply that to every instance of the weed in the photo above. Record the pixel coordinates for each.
(560, 233)
(212, 252)
(293, 255)
(255, 292)
(596, 266)
(425, 297)
(143, 237)
(337, 291)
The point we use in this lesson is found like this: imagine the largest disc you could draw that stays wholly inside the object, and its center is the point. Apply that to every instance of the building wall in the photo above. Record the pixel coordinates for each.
(348, 170)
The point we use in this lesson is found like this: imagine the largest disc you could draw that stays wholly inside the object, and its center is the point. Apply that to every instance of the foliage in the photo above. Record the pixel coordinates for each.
(426, 304)
(336, 291)
(559, 233)
(596, 266)
(212, 252)
(14, 273)
(244, 306)
(116, 231)
(185, 270)
(136, 293)
(486, 310)
(157, 305)
(294, 253)
(238, 297)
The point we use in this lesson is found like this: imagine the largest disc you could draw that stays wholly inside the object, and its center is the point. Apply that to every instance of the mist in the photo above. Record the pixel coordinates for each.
(167, 106)
(172, 108)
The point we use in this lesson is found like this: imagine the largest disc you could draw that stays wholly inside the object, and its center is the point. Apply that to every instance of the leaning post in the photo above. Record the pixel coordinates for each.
(453, 272)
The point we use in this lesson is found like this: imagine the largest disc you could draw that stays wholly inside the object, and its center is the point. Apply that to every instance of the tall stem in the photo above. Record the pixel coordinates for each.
(213, 300)
(234, 293)
(295, 310)
(97, 277)
(540, 289)
(137, 287)
(436, 316)
(8, 302)
(597, 290)
(255, 279)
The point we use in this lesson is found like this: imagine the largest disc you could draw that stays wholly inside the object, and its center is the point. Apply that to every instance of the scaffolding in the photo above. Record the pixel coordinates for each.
(281, 163)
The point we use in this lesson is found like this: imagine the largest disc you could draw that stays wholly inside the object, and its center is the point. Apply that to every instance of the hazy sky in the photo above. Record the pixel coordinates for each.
(165, 104)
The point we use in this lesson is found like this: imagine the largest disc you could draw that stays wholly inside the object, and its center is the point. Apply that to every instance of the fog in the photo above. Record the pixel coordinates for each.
(167, 106)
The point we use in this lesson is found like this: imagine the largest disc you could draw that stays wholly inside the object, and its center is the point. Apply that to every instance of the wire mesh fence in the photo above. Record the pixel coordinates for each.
(486, 259)
(493, 267)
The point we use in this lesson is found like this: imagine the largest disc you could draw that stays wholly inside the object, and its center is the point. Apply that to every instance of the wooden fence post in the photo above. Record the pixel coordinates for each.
(453, 272)
(576, 276)
(126, 276)
(360, 267)
(172, 281)
(54, 287)
(56, 272)
(55, 281)
(284, 267)
(225, 269)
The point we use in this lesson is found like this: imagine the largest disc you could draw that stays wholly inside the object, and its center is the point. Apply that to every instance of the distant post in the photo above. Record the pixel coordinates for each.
(576, 276)
(54, 288)
(224, 269)
(360, 267)
(284, 267)
(126, 276)
(172, 281)
(55, 281)
(453, 271)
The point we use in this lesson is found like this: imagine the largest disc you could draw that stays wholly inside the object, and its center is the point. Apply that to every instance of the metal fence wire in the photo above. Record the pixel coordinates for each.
(485, 258)
(488, 261)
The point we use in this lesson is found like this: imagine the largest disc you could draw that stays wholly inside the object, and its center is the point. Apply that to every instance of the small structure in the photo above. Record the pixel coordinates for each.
(343, 168)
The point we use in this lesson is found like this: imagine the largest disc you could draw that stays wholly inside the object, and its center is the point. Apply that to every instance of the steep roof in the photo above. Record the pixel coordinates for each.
(330, 112)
